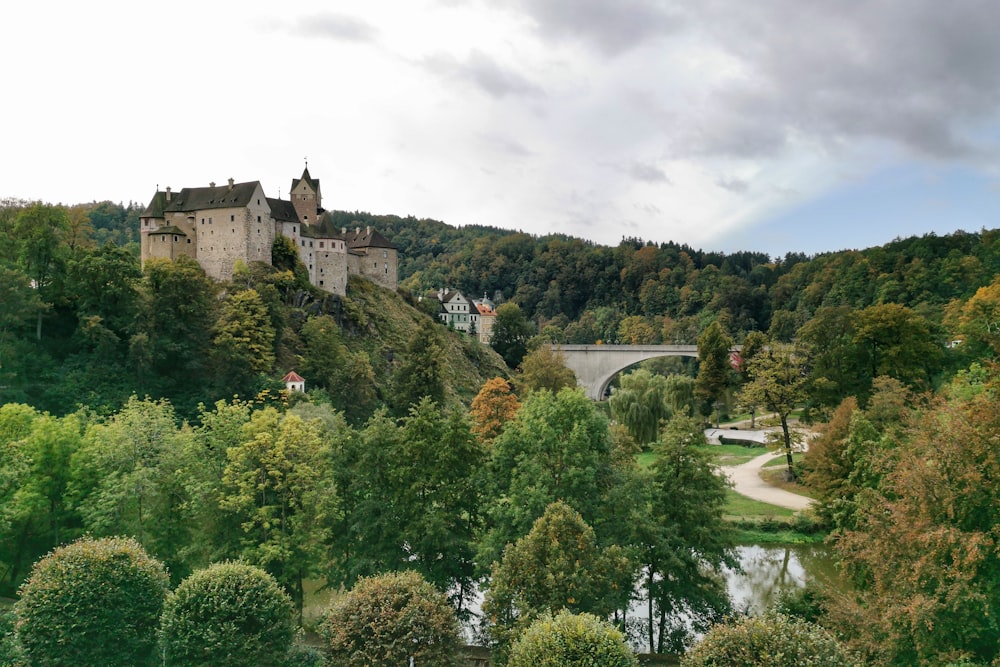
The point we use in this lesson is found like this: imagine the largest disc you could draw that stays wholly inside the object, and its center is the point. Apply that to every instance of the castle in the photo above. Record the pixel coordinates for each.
(221, 225)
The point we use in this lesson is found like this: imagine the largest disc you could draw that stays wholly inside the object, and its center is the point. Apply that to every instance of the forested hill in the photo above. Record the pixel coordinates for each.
(97, 328)
(586, 290)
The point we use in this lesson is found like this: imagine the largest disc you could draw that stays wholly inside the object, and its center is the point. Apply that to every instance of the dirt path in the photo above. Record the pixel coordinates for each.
(747, 482)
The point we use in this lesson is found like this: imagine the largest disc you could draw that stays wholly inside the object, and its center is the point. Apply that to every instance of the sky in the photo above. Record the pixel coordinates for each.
(774, 125)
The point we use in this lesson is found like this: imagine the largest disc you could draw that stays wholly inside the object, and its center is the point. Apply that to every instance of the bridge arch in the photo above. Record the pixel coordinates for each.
(596, 365)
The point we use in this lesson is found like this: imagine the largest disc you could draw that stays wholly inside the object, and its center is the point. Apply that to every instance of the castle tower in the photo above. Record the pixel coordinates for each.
(306, 197)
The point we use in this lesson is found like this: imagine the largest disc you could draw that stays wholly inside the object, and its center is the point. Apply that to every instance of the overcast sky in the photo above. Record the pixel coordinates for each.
(772, 125)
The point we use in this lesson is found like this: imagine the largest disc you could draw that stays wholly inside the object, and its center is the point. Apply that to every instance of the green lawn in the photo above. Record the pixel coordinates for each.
(741, 507)
(731, 455)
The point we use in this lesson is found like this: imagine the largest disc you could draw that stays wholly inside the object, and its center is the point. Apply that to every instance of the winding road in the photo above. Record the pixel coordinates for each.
(747, 481)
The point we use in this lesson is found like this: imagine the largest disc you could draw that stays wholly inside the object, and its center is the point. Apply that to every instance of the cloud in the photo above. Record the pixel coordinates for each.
(613, 27)
(483, 72)
(919, 75)
(647, 173)
(338, 27)
(507, 145)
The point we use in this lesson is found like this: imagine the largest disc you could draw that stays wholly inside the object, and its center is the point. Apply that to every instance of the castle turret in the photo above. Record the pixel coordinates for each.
(306, 197)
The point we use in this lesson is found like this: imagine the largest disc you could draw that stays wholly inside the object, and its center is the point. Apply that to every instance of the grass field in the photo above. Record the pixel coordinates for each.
(732, 455)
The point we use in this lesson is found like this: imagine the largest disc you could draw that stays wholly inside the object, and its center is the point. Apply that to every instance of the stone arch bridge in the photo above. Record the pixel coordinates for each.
(596, 365)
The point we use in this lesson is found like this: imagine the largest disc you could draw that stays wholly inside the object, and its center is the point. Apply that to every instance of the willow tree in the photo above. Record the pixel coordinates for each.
(640, 403)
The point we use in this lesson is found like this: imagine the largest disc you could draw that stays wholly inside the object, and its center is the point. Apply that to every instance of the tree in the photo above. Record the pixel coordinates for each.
(324, 355)
(545, 368)
(557, 565)
(436, 492)
(978, 319)
(170, 347)
(93, 602)
(511, 331)
(778, 384)
(640, 403)
(571, 640)
(634, 330)
(421, 372)
(714, 367)
(680, 395)
(230, 615)
(243, 341)
(128, 481)
(923, 551)
(37, 513)
(492, 408)
(557, 448)
(836, 364)
(767, 641)
(825, 464)
(278, 482)
(898, 343)
(367, 535)
(388, 619)
(680, 538)
(39, 230)
(20, 305)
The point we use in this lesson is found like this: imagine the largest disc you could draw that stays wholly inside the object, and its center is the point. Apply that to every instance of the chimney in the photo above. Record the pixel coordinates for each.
(230, 184)
(368, 230)
(343, 231)
(357, 230)
(168, 193)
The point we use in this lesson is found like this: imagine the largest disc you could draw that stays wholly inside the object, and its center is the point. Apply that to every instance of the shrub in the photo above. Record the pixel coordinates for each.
(93, 602)
(571, 640)
(767, 641)
(227, 615)
(10, 651)
(386, 619)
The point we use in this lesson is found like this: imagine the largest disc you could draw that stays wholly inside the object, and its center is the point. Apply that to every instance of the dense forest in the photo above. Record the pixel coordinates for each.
(145, 401)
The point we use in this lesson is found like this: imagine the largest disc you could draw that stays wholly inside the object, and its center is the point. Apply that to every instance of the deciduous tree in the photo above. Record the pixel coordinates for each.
(545, 368)
(777, 384)
(511, 331)
(558, 565)
(492, 408)
(278, 482)
(640, 403)
(389, 619)
(680, 538)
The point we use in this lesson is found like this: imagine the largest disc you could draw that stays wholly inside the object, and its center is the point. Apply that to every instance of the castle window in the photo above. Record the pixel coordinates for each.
(234, 231)
(385, 254)
(209, 221)
(258, 218)
(303, 243)
(310, 244)
(232, 218)
(189, 240)
(294, 229)
(321, 244)
(321, 282)
(203, 221)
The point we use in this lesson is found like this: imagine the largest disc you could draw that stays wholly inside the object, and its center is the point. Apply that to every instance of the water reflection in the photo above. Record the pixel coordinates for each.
(766, 571)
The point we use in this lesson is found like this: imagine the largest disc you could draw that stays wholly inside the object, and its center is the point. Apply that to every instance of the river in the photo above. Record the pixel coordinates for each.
(764, 572)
